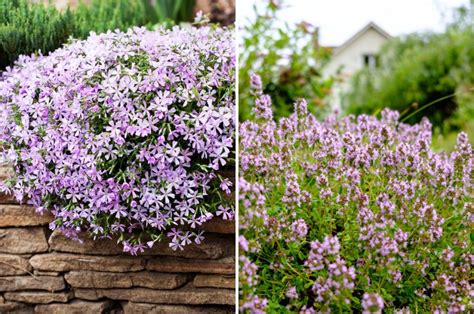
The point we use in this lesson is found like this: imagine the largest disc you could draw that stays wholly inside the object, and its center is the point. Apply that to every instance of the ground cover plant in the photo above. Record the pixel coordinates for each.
(352, 214)
(123, 134)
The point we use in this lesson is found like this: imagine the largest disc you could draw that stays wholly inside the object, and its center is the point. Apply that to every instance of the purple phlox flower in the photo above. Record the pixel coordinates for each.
(225, 212)
(111, 147)
(199, 237)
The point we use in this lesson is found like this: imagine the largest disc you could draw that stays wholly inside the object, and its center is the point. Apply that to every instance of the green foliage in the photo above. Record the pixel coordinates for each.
(103, 15)
(289, 61)
(422, 70)
(26, 27)
(169, 10)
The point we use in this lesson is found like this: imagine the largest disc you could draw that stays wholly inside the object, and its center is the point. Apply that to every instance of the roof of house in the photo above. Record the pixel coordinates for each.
(357, 35)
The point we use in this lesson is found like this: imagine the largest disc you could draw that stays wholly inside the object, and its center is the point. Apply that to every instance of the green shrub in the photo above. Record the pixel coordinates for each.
(26, 28)
(102, 15)
(288, 60)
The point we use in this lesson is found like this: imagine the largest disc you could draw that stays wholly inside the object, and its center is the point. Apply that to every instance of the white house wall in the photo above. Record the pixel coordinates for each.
(350, 60)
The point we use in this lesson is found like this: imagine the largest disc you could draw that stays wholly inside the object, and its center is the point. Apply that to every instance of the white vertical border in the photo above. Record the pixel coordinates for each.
(237, 157)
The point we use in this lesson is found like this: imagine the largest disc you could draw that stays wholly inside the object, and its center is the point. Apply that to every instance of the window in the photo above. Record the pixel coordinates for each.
(370, 60)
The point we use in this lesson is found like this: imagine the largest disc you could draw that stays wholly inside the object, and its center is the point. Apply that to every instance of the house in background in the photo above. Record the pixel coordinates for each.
(359, 51)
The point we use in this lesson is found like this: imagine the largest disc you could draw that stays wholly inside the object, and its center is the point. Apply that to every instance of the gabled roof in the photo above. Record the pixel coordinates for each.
(357, 35)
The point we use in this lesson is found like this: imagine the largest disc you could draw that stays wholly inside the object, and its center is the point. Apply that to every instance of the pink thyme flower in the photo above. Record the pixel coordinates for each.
(372, 303)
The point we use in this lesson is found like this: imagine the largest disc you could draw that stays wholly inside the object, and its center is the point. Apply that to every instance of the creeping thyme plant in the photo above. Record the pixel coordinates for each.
(353, 214)
(125, 135)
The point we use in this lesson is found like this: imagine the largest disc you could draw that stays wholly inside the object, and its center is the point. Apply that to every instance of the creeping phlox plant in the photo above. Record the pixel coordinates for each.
(125, 134)
(352, 214)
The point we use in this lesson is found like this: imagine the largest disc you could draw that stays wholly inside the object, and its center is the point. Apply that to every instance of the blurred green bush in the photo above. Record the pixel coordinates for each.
(288, 59)
(159, 11)
(26, 27)
(102, 15)
(433, 72)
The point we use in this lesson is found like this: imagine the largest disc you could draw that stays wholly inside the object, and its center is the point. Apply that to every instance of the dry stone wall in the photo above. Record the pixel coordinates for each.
(44, 272)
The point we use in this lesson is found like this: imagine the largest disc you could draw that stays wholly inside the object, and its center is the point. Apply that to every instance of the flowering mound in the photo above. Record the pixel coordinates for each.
(123, 134)
(353, 214)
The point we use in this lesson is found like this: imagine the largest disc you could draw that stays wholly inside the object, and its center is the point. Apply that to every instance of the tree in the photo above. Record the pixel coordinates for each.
(287, 58)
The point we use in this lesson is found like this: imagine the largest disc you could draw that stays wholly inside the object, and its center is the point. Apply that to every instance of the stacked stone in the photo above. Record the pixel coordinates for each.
(44, 272)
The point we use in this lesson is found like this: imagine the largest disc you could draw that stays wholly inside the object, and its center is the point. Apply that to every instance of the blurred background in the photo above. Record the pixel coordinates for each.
(357, 57)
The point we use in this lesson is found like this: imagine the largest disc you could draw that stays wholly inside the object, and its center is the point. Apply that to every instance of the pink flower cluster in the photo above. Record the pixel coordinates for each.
(353, 214)
(124, 134)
